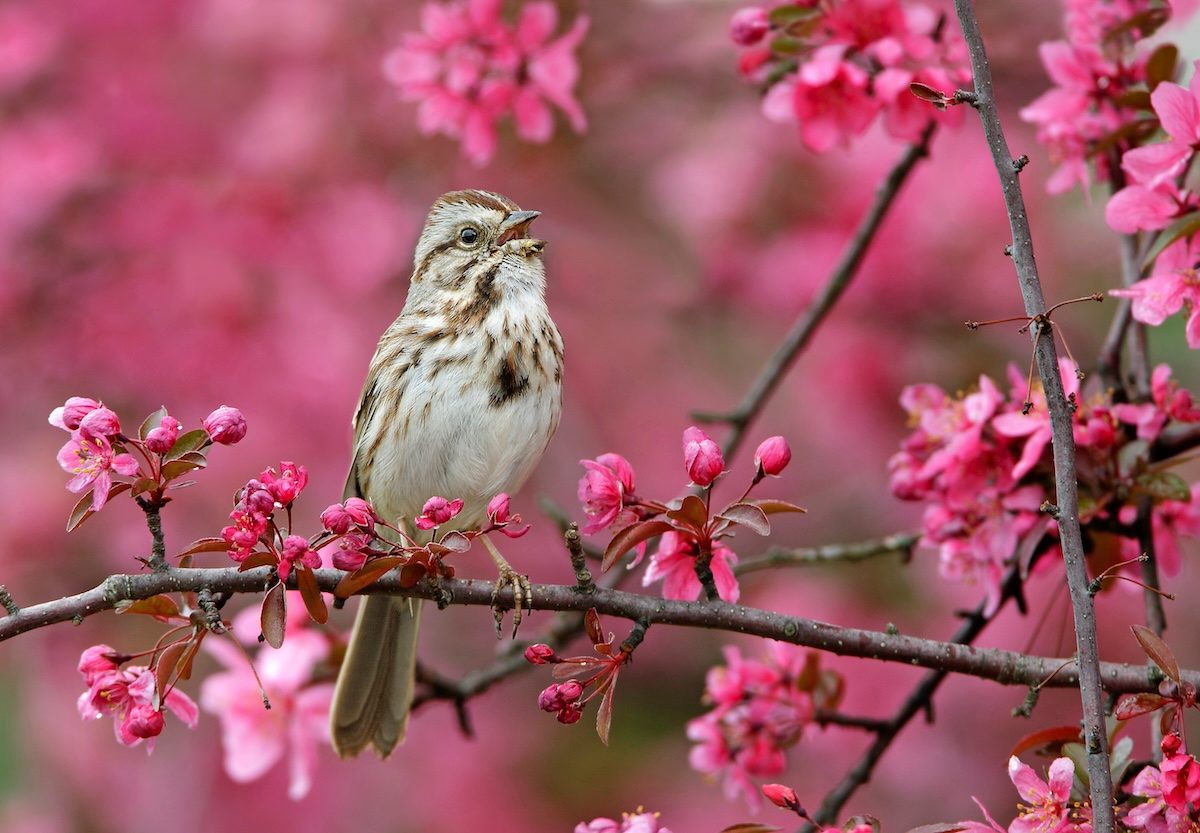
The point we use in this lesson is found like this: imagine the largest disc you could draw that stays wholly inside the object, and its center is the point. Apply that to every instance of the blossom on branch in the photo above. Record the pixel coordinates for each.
(130, 697)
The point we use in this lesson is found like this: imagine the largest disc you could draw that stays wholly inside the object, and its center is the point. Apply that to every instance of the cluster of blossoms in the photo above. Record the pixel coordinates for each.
(254, 522)
(636, 822)
(760, 709)
(1100, 102)
(982, 462)
(98, 450)
(834, 67)
(132, 696)
(691, 558)
(469, 69)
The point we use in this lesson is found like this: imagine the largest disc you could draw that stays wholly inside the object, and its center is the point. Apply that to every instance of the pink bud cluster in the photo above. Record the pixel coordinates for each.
(639, 822)
(469, 69)
(98, 449)
(835, 67)
(983, 463)
(563, 701)
(761, 708)
(691, 542)
(129, 697)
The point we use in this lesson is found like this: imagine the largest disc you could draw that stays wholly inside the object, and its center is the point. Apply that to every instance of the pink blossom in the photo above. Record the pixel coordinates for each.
(286, 486)
(340, 518)
(675, 563)
(225, 425)
(469, 69)
(749, 25)
(255, 738)
(781, 796)
(772, 456)
(1174, 400)
(68, 415)
(130, 697)
(438, 511)
(1154, 815)
(701, 457)
(351, 552)
(95, 661)
(828, 99)
(100, 422)
(502, 519)
(159, 440)
(91, 460)
(297, 550)
(638, 822)
(1047, 807)
(540, 654)
(1172, 286)
(1179, 776)
(605, 490)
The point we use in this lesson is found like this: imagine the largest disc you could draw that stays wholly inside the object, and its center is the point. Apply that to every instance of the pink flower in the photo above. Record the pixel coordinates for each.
(1035, 425)
(781, 796)
(749, 25)
(100, 422)
(159, 440)
(340, 518)
(605, 490)
(502, 519)
(701, 457)
(225, 425)
(828, 99)
(438, 511)
(469, 69)
(68, 415)
(286, 486)
(1173, 285)
(1047, 807)
(95, 661)
(1154, 815)
(772, 456)
(1180, 776)
(540, 654)
(630, 823)
(296, 550)
(1174, 400)
(255, 738)
(351, 552)
(675, 563)
(129, 696)
(92, 461)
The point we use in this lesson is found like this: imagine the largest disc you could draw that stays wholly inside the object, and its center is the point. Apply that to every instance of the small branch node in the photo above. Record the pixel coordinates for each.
(212, 613)
(1020, 162)
(6, 600)
(1027, 705)
(966, 97)
(584, 582)
(1050, 509)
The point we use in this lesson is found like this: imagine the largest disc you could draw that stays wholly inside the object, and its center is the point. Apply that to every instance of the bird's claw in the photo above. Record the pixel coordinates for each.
(522, 598)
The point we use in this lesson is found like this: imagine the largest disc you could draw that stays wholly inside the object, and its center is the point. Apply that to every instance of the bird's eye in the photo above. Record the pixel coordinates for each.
(468, 236)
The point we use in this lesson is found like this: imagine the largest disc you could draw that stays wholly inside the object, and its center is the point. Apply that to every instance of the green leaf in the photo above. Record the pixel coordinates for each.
(1158, 651)
(160, 607)
(748, 515)
(1164, 485)
(178, 468)
(787, 15)
(630, 537)
(143, 484)
(274, 615)
(1161, 65)
(151, 422)
(190, 441)
(1185, 226)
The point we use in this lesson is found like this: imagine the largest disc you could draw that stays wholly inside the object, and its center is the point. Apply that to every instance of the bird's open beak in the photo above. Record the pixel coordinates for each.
(516, 226)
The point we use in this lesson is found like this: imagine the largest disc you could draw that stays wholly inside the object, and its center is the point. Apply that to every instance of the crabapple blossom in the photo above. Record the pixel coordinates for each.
(297, 550)
(1173, 285)
(100, 422)
(286, 486)
(160, 439)
(772, 456)
(68, 415)
(130, 697)
(92, 461)
(606, 491)
(1048, 804)
(437, 511)
(748, 26)
(674, 563)
(539, 654)
(355, 512)
(225, 425)
(701, 457)
(781, 796)
(639, 822)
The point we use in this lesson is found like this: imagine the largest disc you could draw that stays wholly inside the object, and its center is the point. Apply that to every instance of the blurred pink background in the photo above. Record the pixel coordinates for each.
(215, 201)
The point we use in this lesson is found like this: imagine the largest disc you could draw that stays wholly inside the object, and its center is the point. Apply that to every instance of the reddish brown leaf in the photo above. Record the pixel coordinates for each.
(366, 575)
(926, 93)
(1157, 650)
(160, 607)
(1135, 705)
(456, 542)
(82, 509)
(591, 623)
(142, 484)
(258, 559)
(605, 712)
(189, 656)
(748, 515)
(944, 827)
(274, 615)
(1161, 65)
(306, 581)
(165, 668)
(774, 507)
(1054, 736)
(630, 537)
(410, 574)
(691, 512)
(206, 545)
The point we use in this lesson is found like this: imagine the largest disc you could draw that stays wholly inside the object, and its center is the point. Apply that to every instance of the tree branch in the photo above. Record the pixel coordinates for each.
(804, 327)
(1006, 667)
(1090, 686)
(901, 542)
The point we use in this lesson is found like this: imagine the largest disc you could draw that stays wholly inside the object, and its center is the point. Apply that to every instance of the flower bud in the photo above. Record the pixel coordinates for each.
(360, 512)
(781, 796)
(144, 721)
(336, 519)
(748, 26)
(497, 508)
(570, 691)
(256, 498)
(549, 699)
(225, 425)
(100, 422)
(539, 654)
(701, 457)
(772, 456)
(68, 415)
(569, 714)
(1171, 744)
(95, 661)
(159, 440)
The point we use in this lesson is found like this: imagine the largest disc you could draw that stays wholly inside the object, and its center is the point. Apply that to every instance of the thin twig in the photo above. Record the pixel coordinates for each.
(901, 542)
(1091, 692)
(804, 327)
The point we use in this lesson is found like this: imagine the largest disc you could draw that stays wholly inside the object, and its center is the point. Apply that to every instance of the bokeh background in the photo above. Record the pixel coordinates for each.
(215, 201)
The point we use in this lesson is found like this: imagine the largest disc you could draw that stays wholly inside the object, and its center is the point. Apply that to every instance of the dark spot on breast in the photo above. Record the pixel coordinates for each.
(483, 300)
(511, 383)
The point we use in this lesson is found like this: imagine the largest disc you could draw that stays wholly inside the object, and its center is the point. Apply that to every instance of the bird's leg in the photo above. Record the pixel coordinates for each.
(522, 589)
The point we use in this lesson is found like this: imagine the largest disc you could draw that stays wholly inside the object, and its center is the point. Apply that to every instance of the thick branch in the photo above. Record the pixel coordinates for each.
(804, 327)
(1007, 667)
(1095, 736)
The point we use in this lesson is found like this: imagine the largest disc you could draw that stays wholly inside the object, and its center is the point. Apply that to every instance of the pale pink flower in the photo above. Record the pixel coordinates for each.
(675, 564)
(1154, 815)
(605, 490)
(438, 511)
(91, 460)
(129, 696)
(95, 661)
(639, 822)
(1172, 286)
(255, 738)
(68, 415)
(225, 425)
(100, 422)
(702, 457)
(828, 99)
(1047, 807)
(286, 486)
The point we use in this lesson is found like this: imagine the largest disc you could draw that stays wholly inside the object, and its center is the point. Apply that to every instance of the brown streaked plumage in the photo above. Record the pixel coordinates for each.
(460, 400)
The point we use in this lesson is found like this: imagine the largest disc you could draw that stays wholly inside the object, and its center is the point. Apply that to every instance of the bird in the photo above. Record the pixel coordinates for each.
(461, 399)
